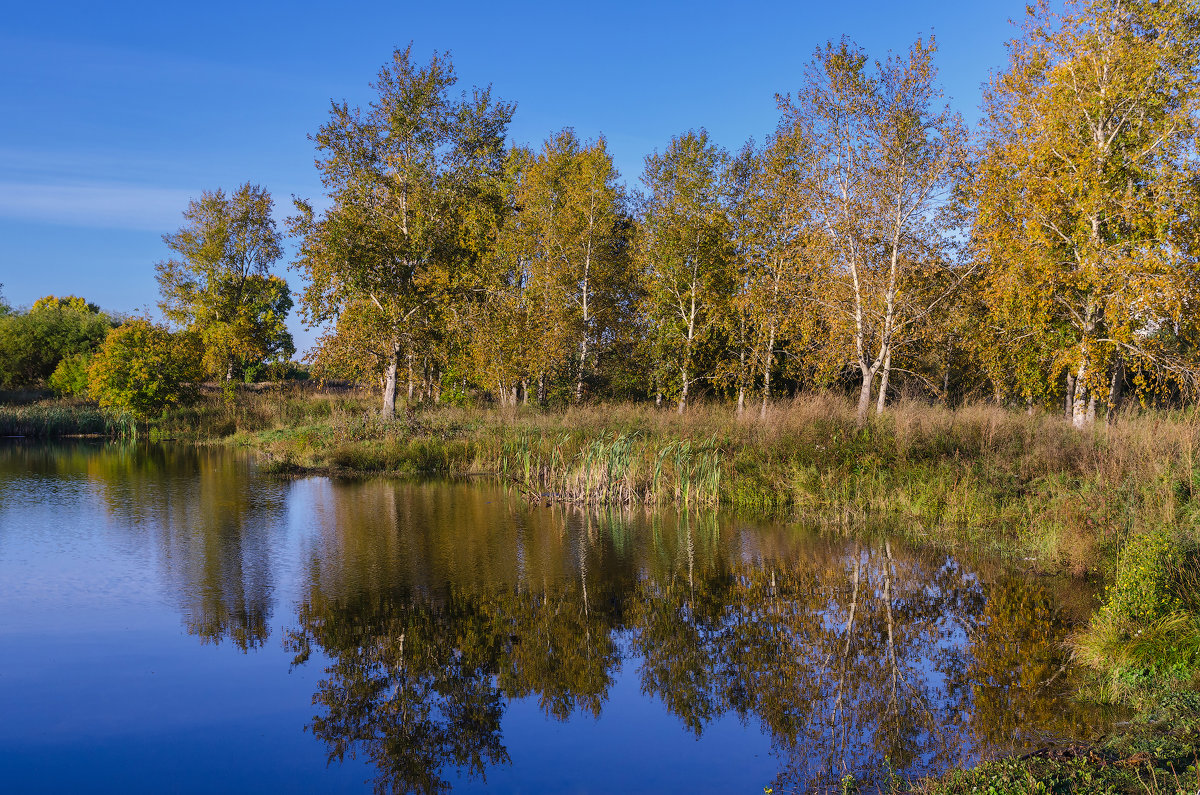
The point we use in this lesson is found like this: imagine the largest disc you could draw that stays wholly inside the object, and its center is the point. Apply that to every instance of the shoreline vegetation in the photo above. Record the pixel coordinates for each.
(1118, 502)
(562, 330)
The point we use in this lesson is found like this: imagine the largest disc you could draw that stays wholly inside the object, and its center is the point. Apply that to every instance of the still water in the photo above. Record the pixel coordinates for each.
(171, 620)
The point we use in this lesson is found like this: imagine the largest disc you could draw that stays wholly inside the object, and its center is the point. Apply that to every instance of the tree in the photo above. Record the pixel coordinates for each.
(574, 188)
(1086, 194)
(34, 343)
(683, 252)
(882, 157)
(221, 286)
(771, 233)
(65, 302)
(143, 369)
(413, 182)
(558, 270)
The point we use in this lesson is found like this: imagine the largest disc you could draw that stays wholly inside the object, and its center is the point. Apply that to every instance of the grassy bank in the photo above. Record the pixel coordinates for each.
(1026, 485)
(1157, 753)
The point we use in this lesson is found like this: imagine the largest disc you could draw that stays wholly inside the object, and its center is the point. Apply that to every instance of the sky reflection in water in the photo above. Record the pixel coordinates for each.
(173, 621)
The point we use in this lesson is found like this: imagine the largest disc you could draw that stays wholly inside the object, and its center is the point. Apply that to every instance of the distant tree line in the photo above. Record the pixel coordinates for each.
(228, 311)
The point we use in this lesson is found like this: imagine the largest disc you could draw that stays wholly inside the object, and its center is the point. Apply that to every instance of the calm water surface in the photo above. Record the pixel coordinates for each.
(173, 621)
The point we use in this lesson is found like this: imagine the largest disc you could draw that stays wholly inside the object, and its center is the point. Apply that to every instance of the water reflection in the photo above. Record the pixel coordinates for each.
(211, 523)
(438, 604)
(431, 608)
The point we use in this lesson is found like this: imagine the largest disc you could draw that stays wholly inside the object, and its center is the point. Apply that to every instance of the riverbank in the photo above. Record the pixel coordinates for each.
(1118, 502)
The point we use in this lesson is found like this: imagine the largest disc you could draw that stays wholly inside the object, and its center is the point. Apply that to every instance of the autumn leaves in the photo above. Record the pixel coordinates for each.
(867, 242)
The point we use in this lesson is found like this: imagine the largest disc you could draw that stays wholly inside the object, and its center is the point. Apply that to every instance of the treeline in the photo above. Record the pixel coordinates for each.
(867, 241)
(868, 244)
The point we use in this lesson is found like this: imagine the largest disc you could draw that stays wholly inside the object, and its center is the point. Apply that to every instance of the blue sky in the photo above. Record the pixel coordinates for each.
(115, 114)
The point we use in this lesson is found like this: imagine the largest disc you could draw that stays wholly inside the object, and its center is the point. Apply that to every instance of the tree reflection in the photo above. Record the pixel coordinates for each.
(852, 658)
(207, 520)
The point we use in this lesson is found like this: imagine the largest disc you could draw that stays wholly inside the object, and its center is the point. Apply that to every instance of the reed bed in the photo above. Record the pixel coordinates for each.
(612, 469)
(60, 419)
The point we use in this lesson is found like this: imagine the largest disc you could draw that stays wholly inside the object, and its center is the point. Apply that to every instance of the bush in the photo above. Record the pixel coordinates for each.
(1144, 589)
(70, 377)
(143, 369)
(32, 344)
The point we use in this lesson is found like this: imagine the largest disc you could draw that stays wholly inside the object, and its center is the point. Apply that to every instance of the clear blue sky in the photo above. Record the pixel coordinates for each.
(115, 114)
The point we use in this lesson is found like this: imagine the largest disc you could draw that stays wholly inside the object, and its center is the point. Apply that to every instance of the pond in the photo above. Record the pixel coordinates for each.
(176, 621)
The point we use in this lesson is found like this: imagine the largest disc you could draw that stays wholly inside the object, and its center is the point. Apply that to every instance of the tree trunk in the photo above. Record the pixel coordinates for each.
(864, 397)
(1115, 388)
(767, 365)
(741, 403)
(1079, 410)
(389, 386)
(583, 353)
(1069, 408)
(883, 382)
(683, 393)
(410, 378)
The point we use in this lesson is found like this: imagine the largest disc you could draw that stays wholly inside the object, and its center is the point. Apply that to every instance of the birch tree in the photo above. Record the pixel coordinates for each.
(220, 284)
(1086, 196)
(772, 237)
(882, 151)
(683, 252)
(412, 183)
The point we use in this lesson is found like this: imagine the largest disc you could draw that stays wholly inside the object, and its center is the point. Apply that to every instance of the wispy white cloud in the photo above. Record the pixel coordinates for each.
(106, 205)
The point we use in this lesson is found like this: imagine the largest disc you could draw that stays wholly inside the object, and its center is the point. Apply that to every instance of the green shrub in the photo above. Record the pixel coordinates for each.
(1144, 590)
(70, 377)
(142, 369)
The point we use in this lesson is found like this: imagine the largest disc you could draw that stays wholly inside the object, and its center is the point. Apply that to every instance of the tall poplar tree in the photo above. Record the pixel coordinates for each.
(220, 285)
(414, 186)
(572, 212)
(772, 233)
(882, 152)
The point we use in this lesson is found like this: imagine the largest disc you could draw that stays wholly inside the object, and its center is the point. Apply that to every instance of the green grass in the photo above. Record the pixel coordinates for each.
(52, 419)
(1155, 754)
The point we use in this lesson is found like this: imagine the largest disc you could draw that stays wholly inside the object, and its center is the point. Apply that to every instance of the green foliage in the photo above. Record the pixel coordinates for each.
(1143, 590)
(1157, 753)
(64, 302)
(413, 184)
(33, 343)
(143, 368)
(49, 420)
(70, 377)
(221, 287)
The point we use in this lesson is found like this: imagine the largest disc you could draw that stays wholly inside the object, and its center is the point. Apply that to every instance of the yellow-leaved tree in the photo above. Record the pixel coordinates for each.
(414, 186)
(1086, 194)
(881, 151)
